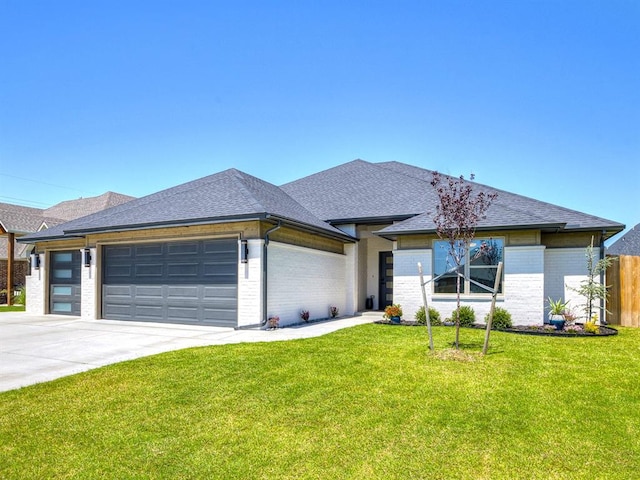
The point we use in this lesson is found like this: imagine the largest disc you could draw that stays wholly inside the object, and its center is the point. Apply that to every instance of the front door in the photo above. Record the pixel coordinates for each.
(64, 282)
(386, 279)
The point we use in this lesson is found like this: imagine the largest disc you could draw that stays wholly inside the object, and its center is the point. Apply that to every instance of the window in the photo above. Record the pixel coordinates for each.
(478, 263)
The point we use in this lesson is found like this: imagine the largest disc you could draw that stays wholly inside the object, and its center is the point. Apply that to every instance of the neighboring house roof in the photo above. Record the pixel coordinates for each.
(25, 220)
(628, 244)
(230, 195)
(18, 219)
(355, 192)
(80, 207)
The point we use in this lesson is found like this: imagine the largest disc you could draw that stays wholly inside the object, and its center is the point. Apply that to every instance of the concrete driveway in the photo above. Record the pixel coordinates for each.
(36, 349)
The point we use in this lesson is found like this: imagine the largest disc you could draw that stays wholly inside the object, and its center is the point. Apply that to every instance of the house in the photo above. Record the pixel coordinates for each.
(232, 250)
(623, 278)
(17, 220)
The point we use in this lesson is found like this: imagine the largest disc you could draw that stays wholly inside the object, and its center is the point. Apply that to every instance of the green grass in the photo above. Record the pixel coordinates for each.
(365, 403)
(12, 308)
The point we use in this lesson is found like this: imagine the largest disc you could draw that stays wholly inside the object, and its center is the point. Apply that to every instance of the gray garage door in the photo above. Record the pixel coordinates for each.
(193, 282)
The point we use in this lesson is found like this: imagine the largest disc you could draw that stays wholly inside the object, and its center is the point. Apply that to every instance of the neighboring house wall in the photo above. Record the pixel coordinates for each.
(20, 269)
(302, 278)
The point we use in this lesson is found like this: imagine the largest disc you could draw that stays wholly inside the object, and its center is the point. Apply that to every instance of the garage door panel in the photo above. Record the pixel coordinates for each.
(180, 282)
(181, 270)
(183, 292)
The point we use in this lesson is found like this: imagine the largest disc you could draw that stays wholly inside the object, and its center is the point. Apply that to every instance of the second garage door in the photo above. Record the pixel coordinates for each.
(176, 282)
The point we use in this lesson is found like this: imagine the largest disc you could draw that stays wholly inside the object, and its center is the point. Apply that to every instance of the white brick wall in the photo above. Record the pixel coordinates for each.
(88, 288)
(564, 269)
(250, 286)
(35, 286)
(406, 280)
(523, 286)
(302, 278)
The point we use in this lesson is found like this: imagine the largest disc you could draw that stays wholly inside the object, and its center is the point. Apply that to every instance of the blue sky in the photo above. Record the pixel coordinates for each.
(541, 98)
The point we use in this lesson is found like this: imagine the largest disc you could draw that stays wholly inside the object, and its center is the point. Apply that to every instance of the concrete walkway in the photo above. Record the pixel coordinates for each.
(36, 348)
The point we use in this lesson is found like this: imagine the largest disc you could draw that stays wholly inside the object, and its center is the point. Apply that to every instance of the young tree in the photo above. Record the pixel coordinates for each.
(457, 215)
(591, 289)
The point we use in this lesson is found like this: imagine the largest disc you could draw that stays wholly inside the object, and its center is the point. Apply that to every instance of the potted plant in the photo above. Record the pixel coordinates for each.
(557, 310)
(393, 313)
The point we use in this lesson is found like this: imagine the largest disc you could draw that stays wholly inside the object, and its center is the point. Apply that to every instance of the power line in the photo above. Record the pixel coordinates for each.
(45, 183)
(24, 202)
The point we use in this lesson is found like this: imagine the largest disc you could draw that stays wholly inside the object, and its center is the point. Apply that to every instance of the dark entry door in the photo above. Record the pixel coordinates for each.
(64, 282)
(385, 293)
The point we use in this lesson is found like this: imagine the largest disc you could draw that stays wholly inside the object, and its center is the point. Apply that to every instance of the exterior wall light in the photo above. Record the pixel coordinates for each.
(36, 261)
(244, 251)
(87, 257)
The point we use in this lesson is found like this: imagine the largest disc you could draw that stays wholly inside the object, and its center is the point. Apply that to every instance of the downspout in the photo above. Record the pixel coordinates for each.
(603, 321)
(264, 270)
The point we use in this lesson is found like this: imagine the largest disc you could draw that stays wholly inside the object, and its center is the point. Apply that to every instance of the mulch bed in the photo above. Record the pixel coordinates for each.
(603, 331)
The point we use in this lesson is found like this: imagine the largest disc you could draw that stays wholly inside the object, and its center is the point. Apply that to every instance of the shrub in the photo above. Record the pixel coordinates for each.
(466, 314)
(501, 318)
(304, 315)
(591, 327)
(434, 316)
(21, 298)
(333, 311)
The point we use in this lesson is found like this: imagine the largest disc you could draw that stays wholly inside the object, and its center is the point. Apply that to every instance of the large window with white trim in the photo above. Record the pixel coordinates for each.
(478, 263)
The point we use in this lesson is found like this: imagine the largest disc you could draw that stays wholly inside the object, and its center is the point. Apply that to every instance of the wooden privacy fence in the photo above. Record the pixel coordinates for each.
(623, 277)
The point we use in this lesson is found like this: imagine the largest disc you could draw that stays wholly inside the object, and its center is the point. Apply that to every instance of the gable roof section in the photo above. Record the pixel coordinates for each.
(230, 195)
(508, 211)
(628, 244)
(19, 219)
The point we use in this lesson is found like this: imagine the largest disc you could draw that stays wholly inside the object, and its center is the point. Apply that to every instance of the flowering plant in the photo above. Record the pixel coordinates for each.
(274, 321)
(394, 310)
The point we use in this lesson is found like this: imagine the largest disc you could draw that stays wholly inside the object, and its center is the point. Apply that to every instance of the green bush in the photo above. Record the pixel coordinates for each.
(434, 316)
(466, 314)
(501, 318)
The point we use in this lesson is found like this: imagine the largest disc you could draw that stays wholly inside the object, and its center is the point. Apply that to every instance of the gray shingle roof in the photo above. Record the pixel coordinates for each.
(360, 190)
(509, 210)
(225, 196)
(355, 192)
(70, 209)
(26, 220)
(19, 219)
(363, 191)
(628, 244)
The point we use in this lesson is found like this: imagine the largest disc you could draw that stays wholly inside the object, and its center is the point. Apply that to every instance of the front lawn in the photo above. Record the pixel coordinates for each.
(12, 308)
(366, 402)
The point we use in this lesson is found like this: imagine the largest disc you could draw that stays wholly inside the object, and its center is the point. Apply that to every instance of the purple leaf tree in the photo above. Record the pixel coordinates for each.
(458, 211)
